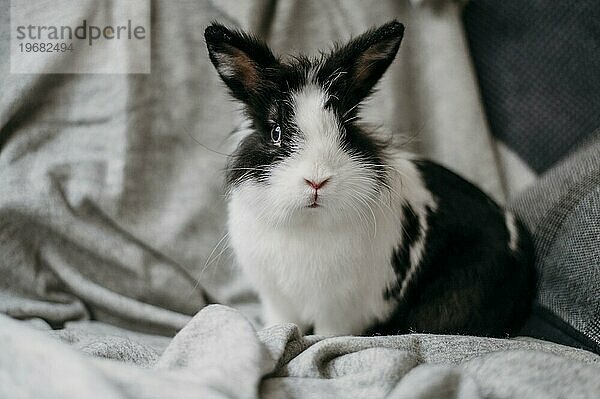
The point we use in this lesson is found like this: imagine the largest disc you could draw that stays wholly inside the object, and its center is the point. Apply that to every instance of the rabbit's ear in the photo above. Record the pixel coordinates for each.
(241, 60)
(355, 68)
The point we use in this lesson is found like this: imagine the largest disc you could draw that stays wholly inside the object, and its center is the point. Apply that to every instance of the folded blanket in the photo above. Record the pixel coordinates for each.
(219, 355)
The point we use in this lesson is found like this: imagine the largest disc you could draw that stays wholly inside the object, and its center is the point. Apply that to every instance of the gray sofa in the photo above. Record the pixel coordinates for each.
(112, 218)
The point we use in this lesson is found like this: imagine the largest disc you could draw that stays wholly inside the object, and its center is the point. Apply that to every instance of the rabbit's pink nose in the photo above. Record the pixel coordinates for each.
(316, 184)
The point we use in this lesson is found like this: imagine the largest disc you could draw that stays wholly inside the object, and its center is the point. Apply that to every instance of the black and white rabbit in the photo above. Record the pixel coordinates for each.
(340, 232)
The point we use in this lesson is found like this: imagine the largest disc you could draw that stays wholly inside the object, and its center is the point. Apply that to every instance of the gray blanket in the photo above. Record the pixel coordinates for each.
(219, 355)
(111, 210)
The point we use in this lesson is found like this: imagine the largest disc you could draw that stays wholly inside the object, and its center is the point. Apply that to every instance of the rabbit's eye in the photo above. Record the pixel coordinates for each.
(276, 135)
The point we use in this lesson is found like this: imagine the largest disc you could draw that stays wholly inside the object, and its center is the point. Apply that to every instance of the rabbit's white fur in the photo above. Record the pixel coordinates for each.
(325, 266)
(339, 230)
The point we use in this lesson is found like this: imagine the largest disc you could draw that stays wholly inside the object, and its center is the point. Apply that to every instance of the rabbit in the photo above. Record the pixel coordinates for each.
(342, 233)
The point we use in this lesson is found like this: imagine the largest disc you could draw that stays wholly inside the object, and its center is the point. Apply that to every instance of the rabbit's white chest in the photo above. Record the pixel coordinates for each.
(332, 278)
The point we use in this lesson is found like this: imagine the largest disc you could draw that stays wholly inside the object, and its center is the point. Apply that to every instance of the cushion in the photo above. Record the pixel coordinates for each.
(562, 211)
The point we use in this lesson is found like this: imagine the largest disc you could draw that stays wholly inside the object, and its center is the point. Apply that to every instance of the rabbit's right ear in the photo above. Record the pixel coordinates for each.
(243, 62)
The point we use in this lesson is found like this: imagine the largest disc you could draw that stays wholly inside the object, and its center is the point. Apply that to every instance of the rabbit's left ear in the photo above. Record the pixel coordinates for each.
(361, 63)
(241, 60)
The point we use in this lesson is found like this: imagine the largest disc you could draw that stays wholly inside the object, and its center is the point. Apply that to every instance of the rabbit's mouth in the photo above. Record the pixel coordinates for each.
(314, 201)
